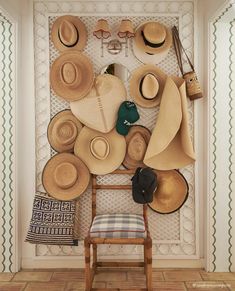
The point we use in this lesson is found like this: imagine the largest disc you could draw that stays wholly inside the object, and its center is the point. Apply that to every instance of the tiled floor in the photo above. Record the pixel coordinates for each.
(73, 280)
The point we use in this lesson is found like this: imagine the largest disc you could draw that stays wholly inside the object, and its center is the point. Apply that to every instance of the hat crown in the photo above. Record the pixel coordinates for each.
(149, 86)
(70, 74)
(137, 147)
(65, 175)
(154, 32)
(65, 132)
(68, 33)
(99, 147)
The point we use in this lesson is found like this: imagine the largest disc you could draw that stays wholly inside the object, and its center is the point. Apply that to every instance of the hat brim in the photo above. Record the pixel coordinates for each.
(135, 80)
(128, 162)
(117, 147)
(61, 116)
(81, 28)
(173, 183)
(77, 189)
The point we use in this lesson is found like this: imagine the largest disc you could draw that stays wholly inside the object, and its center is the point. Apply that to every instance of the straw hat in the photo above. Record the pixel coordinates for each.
(65, 176)
(171, 193)
(62, 131)
(98, 110)
(146, 85)
(170, 145)
(137, 141)
(71, 75)
(101, 152)
(152, 42)
(68, 32)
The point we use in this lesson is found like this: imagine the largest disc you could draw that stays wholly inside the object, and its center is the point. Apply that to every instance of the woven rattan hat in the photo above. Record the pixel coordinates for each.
(146, 85)
(101, 152)
(71, 75)
(65, 176)
(137, 141)
(152, 42)
(69, 32)
(171, 193)
(62, 131)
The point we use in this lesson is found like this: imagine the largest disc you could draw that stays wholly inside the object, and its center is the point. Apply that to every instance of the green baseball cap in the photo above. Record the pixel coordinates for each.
(127, 114)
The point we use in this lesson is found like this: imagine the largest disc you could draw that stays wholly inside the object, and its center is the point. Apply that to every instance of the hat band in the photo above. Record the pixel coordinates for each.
(69, 45)
(153, 45)
(141, 92)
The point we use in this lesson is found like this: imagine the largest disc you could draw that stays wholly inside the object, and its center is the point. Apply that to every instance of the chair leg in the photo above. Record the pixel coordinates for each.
(145, 258)
(88, 276)
(149, 264)
(94, 246)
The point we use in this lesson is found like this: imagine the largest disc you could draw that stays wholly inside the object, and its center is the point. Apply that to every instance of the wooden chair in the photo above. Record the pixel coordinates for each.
(89, 241)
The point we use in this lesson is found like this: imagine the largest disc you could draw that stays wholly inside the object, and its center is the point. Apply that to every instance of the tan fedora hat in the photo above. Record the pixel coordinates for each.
(171, 193)
(101, 152)
(152, 42)
(63, 130)
(98, 110)
(146, 85)
(137, 141)
(68, 32)
(65, 176)
(71, 75)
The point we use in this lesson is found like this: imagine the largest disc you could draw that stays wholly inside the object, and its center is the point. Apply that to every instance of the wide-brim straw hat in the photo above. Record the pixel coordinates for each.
(137, 141)
(65, 176)
(146, 85)
(101, 152)
(171, 193)
(152, 42)
(71, 75)
(98, 110)
(63, 130)
(68, 32)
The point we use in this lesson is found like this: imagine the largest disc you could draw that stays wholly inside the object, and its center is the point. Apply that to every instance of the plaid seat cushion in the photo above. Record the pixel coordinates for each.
(118, 226)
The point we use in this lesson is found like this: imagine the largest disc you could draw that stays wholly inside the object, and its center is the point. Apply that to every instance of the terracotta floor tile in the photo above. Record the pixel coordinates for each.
(33, 276)
(206, 286)
(5, 277)
(182, 276)
(68, 276)
(12, 286)
(80, 286)
(230, 285)
(49, 286)
(126, 284)
(110, 276)
(217, 276)
(169, 286)
(139, 275)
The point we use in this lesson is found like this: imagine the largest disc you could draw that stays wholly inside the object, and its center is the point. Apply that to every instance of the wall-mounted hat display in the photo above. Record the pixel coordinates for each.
(69, 32)
(146, 85)
(137, 141)
(62, 131)
(170, 146)
(127, 114)
(65, 176)
(98, 110)
(171, 193)
(71, 75)
(101, 152)
(152, 42)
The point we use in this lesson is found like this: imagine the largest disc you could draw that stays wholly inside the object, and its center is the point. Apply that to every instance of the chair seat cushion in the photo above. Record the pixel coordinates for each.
(118, 226)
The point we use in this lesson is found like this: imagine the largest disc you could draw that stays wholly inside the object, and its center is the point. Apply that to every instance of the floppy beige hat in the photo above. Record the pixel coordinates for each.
(171, 193)
(101, 152)
(98, 110)
(152, 42)
(146, 85)
(170, 146)
(65, 176)
(137, 141)
(62, 131)
(68, 32)
(71, 75)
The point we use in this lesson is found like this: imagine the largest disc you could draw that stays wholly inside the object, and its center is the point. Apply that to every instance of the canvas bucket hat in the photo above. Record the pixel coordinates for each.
(101, 152)
(69, 32)
(65, 176)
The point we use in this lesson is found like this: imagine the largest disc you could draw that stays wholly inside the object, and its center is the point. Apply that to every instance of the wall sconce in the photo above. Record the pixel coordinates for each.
(114, 46)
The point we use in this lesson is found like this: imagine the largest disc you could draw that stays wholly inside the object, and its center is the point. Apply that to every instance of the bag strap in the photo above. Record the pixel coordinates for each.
(178, 49)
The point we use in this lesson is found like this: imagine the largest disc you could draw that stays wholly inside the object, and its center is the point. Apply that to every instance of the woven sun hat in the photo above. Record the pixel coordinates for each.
(69, 32)
(71, 75)
(65, 176)
(101, 152)
(171, 193)
(152, 42)
(62, 131)
(99, 109)
(146, 85)
(137, 141)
